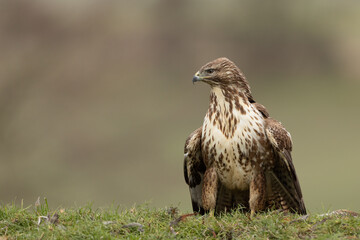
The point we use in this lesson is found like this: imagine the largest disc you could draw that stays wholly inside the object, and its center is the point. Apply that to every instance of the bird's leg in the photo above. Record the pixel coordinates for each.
(212, 213)
(209, 190)
(257, 193)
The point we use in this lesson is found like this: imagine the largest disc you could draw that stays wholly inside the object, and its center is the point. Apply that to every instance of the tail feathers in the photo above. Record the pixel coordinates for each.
(228, 199)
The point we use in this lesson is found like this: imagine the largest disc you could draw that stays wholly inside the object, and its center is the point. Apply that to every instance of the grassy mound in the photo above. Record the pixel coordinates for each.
(144, 222)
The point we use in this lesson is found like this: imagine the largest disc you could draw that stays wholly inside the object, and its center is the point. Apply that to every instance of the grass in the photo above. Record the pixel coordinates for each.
(144, 222)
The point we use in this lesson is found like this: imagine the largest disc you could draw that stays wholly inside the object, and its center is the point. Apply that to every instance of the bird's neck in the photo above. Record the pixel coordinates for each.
(230, 98)
(227, 106)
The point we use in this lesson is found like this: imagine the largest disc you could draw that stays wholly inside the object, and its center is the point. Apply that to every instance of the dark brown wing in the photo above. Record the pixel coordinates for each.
(283, 186)
(194, 168)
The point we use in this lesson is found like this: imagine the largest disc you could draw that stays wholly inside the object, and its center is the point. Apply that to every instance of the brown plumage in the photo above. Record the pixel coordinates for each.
(240, 157)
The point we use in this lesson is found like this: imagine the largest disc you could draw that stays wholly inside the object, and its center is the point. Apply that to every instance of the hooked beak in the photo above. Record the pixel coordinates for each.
(196, 77)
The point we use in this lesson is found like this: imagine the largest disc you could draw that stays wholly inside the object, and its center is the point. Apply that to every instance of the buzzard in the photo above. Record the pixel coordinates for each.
(240, 157)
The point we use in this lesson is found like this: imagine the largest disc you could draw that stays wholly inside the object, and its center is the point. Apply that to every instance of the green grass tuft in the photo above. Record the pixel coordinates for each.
(144, 222)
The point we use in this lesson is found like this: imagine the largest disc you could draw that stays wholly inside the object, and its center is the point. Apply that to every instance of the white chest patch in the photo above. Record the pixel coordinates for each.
(232, 146)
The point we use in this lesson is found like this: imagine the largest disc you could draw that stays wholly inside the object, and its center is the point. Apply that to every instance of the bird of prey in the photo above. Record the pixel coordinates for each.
(240, 157)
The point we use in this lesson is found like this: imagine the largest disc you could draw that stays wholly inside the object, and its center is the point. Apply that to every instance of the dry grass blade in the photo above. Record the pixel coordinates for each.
(40, 219)
(37, 202)
(54, 219)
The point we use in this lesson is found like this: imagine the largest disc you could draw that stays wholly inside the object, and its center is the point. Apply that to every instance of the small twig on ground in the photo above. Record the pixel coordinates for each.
(181, 218)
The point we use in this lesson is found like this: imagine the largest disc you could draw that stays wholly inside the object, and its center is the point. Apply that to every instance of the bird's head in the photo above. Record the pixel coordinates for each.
(223, 73)
(220, 71)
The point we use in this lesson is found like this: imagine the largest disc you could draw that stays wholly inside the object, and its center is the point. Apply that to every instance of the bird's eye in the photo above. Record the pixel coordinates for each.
(210, 70)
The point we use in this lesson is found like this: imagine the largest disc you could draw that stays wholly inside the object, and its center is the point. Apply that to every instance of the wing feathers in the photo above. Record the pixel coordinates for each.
(194, 168)
(261, 109)
(284, 185)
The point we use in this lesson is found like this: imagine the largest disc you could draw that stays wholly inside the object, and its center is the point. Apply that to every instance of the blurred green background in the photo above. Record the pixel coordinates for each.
(96, 98)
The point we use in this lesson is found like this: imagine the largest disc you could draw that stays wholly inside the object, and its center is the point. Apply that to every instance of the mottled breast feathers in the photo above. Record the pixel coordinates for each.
(283, 189)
